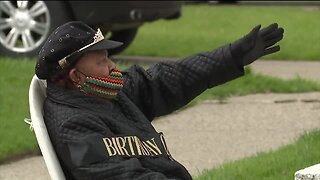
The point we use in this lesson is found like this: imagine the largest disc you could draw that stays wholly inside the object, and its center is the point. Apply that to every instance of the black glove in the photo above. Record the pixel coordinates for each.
(256, 44)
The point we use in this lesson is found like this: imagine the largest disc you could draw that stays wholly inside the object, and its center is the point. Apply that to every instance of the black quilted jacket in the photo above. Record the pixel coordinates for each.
(99, 139)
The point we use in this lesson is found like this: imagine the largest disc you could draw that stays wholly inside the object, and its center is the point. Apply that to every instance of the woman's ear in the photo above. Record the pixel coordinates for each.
(74, 75)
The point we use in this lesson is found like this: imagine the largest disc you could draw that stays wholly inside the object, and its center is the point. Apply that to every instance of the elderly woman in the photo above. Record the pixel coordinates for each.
(99, 119)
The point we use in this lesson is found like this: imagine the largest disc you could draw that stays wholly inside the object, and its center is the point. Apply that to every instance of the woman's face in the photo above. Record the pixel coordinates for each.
(93, 63)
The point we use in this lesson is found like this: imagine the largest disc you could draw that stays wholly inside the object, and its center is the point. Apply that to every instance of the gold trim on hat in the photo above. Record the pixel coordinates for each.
(96, 38)
(63, 63)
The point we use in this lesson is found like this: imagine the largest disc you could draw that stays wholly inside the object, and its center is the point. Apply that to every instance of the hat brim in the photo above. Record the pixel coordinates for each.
(102, 45)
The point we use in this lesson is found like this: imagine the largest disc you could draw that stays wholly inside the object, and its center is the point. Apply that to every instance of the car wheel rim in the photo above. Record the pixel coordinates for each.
(24, 25)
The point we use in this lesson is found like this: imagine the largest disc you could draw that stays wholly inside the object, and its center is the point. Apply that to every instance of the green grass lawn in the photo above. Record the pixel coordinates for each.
(15, 137)
(275, 165)
(205, 27)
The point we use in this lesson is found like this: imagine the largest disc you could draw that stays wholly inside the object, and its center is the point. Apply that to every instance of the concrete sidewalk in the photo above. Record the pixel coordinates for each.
(210, 134)
(288, 69)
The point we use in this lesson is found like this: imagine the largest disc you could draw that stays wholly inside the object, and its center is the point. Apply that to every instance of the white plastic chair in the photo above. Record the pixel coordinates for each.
(37, 94)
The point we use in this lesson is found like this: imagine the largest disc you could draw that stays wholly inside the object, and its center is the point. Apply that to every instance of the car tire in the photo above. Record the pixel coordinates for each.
(29, 25)
(125, 36)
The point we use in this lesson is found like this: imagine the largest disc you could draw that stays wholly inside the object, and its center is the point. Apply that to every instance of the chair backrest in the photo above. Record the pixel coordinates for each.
(37, 95)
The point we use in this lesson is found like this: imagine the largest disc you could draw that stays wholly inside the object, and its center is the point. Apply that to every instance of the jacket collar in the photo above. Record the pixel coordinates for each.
(76, 98)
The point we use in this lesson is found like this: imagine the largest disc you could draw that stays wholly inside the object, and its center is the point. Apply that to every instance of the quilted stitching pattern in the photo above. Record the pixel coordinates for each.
(167, 86)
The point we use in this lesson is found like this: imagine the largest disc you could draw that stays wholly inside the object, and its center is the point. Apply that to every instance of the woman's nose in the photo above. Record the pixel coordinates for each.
(112, 65)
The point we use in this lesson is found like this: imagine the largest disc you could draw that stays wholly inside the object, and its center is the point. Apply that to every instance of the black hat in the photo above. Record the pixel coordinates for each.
(66, 44)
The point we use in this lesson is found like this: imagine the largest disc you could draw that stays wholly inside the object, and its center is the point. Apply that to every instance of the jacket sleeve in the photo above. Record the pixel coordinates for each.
(82, 152)
(167, 86)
